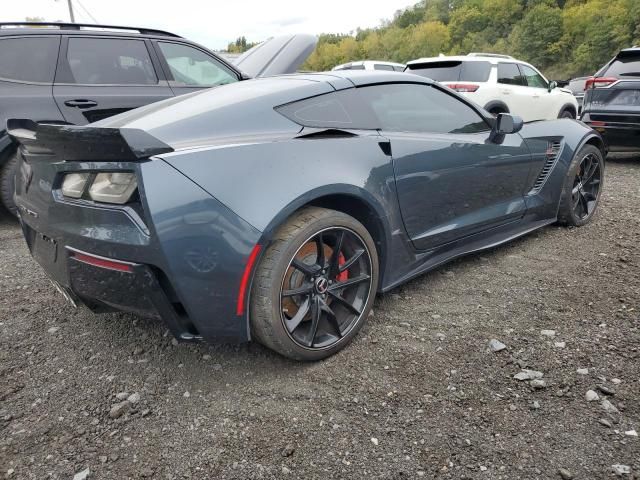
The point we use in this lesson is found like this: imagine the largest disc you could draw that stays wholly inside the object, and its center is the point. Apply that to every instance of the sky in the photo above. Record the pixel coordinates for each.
(215, 23)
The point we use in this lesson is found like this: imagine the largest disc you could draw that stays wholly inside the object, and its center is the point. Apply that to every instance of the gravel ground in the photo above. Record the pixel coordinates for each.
(419, 393)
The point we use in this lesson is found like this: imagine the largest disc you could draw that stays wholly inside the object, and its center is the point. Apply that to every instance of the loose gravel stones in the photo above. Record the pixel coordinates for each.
(119, 409)
(591, 396)
(528, 375)
(496, 345)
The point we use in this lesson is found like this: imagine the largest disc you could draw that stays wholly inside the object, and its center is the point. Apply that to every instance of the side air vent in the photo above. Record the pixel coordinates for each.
(552, 154)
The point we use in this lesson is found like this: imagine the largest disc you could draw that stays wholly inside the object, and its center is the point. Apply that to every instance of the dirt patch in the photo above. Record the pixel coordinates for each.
(418, 393)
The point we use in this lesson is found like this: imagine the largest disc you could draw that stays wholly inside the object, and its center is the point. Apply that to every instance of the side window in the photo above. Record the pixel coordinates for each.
(29, 59)
(342, 109)
(509, 74)
(421, 108)
(192, 67)
(534, 79)
(380, 66)
(110, 61)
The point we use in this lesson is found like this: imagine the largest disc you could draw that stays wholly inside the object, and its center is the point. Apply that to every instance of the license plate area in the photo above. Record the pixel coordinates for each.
(45, 249)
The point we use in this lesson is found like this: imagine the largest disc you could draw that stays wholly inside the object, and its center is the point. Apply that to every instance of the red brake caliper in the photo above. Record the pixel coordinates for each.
(343, 275)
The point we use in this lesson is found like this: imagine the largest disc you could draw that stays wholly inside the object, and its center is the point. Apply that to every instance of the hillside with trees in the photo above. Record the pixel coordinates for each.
(564, 38)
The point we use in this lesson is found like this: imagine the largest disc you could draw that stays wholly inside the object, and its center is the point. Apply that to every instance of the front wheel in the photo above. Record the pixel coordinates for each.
(315, 285)
(582, 187)
(567, 114)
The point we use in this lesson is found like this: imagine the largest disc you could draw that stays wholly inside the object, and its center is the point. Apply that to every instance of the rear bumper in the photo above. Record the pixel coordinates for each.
(619, 137)
(184, 250)
(103, 288)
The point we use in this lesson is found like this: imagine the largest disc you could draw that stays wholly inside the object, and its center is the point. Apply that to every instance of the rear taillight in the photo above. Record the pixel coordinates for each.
(463, 87)
(599, 82)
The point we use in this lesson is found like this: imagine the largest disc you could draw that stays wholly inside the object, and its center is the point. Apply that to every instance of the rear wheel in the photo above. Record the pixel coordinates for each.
(315, 285)
(582, 187)
(8, 184)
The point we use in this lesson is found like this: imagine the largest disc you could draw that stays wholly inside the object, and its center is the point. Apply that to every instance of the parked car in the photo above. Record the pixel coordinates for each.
(577, 86)
(499, 84)
(612, 101)
(371, 65)
(274, 209)
(77, 74)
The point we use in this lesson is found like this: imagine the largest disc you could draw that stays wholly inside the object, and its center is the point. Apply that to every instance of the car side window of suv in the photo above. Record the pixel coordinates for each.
(509, 74)
(533, 78)
(402, 107)
(192, 67)
(42, 55)
(110, 61)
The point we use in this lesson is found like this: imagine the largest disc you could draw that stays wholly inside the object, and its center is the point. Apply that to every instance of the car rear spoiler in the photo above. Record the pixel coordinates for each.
(90, 144)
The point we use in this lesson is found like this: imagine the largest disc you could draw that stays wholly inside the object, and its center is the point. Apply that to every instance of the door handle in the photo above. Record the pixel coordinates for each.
(505, 92)
(81, 103)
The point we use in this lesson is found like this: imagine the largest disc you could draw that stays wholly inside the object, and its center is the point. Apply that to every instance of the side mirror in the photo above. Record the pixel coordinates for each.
(504, 124)
(553, 84)
(507, 124)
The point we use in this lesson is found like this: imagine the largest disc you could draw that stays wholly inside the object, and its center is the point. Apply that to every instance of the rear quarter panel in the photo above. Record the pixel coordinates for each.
(264, 183)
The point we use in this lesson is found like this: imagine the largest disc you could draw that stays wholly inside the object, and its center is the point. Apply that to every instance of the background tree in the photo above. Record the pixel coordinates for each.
(564, 38)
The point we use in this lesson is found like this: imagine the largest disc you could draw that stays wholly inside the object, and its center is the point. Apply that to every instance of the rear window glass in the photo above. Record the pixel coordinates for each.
(380, 66)
(29, 59)
(341, 109)
(627, 66)
(453, 71)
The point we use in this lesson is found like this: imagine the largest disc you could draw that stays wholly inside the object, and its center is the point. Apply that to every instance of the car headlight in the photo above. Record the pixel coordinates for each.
(74, 184)
(115, 187)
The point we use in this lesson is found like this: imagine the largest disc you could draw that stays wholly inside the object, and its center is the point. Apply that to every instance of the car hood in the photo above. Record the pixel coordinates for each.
(277, 55)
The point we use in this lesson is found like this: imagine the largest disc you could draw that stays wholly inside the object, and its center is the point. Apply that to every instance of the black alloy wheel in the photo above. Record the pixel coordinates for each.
(315, 284)
(586, 186)
(325, 288)
(582, 187)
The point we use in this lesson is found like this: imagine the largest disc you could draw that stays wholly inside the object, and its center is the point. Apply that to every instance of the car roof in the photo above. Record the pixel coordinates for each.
(475, 57)
(362, 77)
(58, 28)
(364, 62)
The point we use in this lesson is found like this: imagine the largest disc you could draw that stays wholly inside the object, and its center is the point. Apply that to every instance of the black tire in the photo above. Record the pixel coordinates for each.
(8, 184)
(271, 321)
(566, 113)
(582, 187)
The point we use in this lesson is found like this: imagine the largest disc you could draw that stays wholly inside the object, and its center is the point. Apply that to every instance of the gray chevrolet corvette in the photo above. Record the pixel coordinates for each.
(275, 209)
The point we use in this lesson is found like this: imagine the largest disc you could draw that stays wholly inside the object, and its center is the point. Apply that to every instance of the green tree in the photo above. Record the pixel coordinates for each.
(536, 37)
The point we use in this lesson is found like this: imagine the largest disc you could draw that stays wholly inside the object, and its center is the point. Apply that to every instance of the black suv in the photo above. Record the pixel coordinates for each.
(612, 101)
(77, 74)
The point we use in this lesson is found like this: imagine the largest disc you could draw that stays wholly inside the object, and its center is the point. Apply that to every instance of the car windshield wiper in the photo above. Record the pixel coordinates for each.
(630, 74)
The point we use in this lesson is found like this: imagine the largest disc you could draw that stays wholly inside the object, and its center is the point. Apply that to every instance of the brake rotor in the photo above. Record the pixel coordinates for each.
(294, 278)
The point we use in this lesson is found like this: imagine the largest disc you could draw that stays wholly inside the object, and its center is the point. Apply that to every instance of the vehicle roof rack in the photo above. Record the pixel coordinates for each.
(87, 26)
(495, 55)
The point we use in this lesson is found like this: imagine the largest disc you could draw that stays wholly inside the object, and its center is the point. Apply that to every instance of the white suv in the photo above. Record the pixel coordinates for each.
(499, 84)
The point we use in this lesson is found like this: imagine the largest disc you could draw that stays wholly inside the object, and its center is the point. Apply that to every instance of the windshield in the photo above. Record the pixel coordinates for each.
(447, 71)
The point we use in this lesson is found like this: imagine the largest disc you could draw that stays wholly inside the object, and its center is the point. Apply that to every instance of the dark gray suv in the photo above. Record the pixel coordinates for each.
(78, 74)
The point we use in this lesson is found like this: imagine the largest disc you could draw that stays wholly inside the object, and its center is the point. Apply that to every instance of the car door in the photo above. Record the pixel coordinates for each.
(452, 178)
(189, 68)
(513, 91)
(545, 104)
(98, 77)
